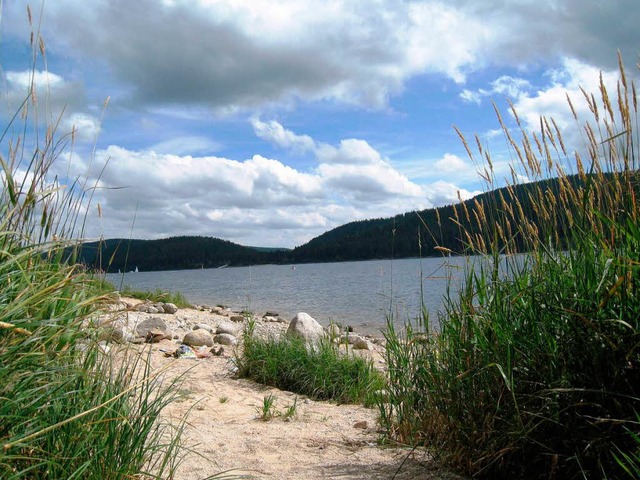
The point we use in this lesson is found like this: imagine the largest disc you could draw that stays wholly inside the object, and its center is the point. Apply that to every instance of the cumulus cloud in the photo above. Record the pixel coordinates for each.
(258, 200)
(276, 134)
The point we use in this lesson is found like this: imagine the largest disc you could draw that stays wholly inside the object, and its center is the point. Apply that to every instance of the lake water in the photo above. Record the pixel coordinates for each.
(360, 294)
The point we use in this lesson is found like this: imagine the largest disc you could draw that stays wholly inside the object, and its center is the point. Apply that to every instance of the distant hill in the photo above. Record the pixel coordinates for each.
(410, 234)
(166, 254)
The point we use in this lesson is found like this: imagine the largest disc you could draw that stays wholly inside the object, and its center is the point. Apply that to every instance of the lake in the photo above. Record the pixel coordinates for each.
(360, 294)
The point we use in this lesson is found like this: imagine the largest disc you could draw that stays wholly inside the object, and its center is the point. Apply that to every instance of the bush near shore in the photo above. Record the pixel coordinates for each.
(535, 370)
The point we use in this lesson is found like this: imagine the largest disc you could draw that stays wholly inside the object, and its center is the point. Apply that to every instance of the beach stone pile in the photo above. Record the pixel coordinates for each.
(210, 326)
(158, 307)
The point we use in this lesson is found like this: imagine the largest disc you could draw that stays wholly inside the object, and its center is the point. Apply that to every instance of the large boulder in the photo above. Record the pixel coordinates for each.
(153, 323)
(197, 338)
(305, 326)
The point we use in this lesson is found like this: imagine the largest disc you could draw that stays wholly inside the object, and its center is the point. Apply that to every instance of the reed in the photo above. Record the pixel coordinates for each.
(535, 370)
(66, 409)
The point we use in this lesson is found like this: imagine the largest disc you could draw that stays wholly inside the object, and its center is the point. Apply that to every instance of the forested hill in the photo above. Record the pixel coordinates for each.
(414, 233)
(173, 253)
(411, 234)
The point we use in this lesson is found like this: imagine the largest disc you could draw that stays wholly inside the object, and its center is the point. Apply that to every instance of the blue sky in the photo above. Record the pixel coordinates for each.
(269, 122)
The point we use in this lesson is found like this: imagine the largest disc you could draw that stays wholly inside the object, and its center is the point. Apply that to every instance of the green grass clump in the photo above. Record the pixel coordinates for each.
(322, 372)
(157, 295)
(535, 370)
(67, 409)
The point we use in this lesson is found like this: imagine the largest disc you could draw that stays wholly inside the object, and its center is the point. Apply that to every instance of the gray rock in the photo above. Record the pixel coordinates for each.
(153, 323)
(305, 326)
(350, 339)
(115, 334)
(204, 326)
(152, 309)
(170, 308)
(225, 339)
(237, 318)
(362, 344)
(269, 318)
(230, 328)
(197, 338)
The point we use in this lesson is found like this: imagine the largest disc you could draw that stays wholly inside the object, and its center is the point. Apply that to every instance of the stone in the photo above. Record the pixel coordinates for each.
(204, 326)
(362, 344)
(333, 331)
(197, 338)
(361, 425)
(159, 306)
(269, 313)
(237, 318)
(154, 336)
(153, 323)
(350, 339)
(225, 339)
(269, 318)
(115, 334)
(170, 308)
(229, 328)
(305, 326)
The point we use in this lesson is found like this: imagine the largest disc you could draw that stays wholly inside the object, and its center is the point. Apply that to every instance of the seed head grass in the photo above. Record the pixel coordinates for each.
(535, 369)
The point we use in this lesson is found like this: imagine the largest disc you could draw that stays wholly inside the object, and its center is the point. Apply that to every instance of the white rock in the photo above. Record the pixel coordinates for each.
(225, 339)
(197, 338)
(333, 331)
(305, 326)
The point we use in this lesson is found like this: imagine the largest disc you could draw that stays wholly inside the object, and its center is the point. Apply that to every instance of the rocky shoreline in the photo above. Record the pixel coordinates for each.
(135, 321)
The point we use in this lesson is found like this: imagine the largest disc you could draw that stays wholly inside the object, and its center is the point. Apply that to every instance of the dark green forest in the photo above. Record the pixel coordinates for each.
(411, 234)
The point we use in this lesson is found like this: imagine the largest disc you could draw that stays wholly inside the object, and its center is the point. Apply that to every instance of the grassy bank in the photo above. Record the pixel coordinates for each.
(66, 410)
(536, 370)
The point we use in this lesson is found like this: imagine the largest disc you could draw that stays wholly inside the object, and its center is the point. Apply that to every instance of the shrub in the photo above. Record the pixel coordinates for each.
(535, 371)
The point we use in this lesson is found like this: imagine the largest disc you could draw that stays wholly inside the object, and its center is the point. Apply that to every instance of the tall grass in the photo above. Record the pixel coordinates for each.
(66, 409)
(535, 371)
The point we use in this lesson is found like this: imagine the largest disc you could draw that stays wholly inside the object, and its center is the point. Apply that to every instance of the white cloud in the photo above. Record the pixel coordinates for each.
(257, 201)
(275, 133)
(85, 128)
(451, 163)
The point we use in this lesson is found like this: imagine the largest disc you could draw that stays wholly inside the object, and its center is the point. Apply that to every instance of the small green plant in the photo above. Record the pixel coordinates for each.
(322, 371)
(290, 411)
(268, 409)
(223, 399)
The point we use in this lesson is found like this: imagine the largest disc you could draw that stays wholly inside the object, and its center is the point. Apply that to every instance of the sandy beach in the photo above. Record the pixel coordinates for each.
(224, 431)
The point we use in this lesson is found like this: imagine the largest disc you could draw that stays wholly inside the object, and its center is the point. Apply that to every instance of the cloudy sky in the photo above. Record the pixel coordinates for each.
(268, 122)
